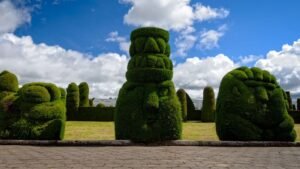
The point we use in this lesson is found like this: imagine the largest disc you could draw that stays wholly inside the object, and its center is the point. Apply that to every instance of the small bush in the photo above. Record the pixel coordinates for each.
(208, 105)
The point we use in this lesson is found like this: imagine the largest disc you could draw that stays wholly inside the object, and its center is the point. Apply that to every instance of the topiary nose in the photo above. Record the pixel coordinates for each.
(152, 101)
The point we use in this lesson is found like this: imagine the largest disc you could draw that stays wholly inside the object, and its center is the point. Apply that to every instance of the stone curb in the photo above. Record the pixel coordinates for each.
(102, 143)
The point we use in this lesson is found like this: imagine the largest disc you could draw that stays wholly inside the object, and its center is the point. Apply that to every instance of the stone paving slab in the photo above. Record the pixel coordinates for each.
(156, 157)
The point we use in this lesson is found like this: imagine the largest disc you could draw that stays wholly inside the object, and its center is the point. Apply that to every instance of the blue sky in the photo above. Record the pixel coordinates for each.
(208, 39)
(253, 27)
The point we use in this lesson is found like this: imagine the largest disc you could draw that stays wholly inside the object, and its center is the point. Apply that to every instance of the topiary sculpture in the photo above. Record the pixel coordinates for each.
(208, 105)
(72, 101)
(8, 84)
(35, 112)
(252, 106)
(181, 94)
(84, 94)
(289, 100)
(147, 108)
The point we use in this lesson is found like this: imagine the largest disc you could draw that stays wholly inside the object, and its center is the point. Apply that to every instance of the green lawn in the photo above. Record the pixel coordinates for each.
(76, 130)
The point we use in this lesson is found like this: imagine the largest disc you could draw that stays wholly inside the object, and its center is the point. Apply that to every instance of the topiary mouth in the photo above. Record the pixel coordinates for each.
(149, 75)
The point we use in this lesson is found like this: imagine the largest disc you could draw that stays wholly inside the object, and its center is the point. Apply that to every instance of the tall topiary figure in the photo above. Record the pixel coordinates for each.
(37, 111)
(298, 104)
(191, 110)
(289, 100)
(84, 94)
(181, 94)
(252, 106)
(72, 101)
(208, 105)
(147, 108)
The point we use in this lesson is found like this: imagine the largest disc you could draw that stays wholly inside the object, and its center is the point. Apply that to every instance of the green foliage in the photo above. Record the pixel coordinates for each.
(63, 93)
(8, 82)
(100, 105)
(298, 104)
(252, 106)
(289, 99)
(147, 108)
(91, 102)
(72, 101)
(181, 94)
(94, 114)
(295, 115)
(84, 94)
(208, 105)
(192, 114)
(35, 112)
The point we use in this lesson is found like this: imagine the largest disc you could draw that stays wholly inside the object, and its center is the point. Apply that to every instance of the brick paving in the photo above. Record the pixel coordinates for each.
(149, 157)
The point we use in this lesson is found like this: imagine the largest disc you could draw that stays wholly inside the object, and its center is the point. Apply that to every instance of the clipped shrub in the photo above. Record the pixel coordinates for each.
(298, 104)
(208, 105)
(192, 114)
(35, 112)
(101, 105)
(84, 94)
(91, 102)
(252, 106)
(289, 100)
(8, 84)
(94, 114)
(147, 108)
(72, 101)
(181, 94)
(63, 93)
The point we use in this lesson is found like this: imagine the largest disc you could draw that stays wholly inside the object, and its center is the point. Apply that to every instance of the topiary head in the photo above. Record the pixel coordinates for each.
(150, 53)
(8, 82)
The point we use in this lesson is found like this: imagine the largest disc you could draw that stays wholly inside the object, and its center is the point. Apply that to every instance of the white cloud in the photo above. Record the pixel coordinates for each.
(195, 73)
(210, 38)
(123, 43)
(39, 62)
(285, 65)
(11, 17)
(203, 13)
(170, 14)
(185, 41)
(249, 60)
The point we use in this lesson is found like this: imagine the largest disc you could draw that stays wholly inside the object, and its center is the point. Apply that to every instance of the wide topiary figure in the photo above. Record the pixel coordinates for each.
(252, 106)
(147, 108)
(37, 111)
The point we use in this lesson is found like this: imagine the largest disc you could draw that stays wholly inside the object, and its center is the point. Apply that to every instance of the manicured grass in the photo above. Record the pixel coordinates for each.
(76, 130)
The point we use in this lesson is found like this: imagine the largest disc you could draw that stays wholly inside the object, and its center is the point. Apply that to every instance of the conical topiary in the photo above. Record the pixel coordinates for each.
(72, 101)
(208, 105)
(252, 106)
(84, 95)
(147, 108)
(181, 94)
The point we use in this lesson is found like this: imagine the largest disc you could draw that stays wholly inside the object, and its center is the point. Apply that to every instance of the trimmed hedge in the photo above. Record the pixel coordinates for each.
(181, 94)
(208, 105)
(252, 106)
(8, 82)
(72, 101)
(192, 114)
(147, 108)
(298, 104)
(84, 94)
(289, 99)
(94, 114)
(295, 115)
(35, 112)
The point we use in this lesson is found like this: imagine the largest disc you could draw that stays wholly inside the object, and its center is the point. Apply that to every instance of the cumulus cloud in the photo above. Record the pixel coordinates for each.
(203, 13)
(249, 60)
(39, 62)
(209, 39)
(196, 73)
(123, 43)
(185, 41)
(11, 17)
(170, 14)
(285, 65)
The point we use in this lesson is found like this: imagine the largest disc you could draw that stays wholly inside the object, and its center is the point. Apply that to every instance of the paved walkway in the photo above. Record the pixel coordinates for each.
(149, 157)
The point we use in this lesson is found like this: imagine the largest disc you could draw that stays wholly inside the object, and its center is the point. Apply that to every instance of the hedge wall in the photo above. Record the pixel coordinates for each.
(295, 115)
(93, 114)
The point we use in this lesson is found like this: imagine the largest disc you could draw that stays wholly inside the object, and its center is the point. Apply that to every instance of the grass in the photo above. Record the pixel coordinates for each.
(76, 130)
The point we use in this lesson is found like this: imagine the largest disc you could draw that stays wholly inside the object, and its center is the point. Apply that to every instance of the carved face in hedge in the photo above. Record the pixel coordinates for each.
(147, 106)
(39, 113)
(252, 106)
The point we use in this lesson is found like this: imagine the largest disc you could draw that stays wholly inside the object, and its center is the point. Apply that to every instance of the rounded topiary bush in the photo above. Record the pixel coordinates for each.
(252, 106)
(100, 105)
(84, 94)
(35, 112)
(73, 99)
(208, 105)
(147, 108)
(8, 84)
(181, 94)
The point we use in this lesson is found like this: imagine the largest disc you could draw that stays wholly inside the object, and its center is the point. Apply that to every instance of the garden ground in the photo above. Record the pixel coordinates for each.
(76, 130)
